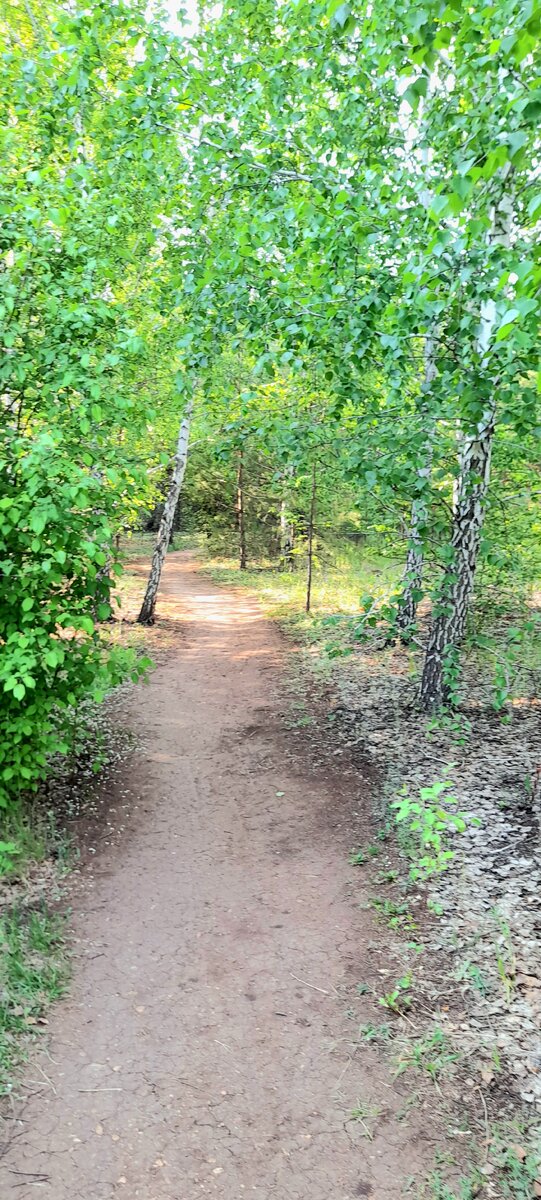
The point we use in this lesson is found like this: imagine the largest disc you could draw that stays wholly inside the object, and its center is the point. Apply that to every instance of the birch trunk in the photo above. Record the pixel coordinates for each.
(311, 521)
(146, 615)
(287, 536)
(450, 621)
(412, 578)
(241, 526)
(413, 571)
(475, 453)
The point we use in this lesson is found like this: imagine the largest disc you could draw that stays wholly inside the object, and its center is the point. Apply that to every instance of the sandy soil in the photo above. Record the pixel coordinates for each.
(208, 1046)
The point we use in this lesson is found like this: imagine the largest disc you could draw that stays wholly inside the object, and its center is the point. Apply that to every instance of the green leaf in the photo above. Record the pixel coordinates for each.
(506, 322)
(416, 91)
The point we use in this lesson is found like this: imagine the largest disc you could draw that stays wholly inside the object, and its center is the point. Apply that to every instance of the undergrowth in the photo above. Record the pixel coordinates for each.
(33, 973)
(354, 604)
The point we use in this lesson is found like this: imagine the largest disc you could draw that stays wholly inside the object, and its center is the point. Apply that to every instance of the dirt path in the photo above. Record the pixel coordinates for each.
(191, 1058)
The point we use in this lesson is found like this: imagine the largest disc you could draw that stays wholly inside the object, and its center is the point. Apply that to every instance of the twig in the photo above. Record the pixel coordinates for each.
(348, 1064)
(46, 1077)
(366, 1128)
(87, 1091)
(31, 1175)
(487, 1125)
(309, 985)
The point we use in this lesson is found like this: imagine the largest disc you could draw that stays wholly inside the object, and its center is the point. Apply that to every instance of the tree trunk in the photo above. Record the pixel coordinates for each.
(146, 615)
(452, 610)
(241, 526)
(413, 571)
(311, 520)
(286, 538)
(475, 452)
(287, 532)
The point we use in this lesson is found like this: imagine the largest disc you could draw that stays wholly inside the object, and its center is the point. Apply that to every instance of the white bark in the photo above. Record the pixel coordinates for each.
(241, 524)
(311, 522)
(146, 615)
(287, 533)
(413, 572)
(412, 578)
(475, 453)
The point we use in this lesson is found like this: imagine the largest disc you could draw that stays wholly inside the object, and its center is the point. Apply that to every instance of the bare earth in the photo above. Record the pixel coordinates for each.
(208, 1046)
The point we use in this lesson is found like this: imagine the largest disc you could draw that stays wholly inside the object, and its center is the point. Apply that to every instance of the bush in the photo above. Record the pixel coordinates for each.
(56, 577)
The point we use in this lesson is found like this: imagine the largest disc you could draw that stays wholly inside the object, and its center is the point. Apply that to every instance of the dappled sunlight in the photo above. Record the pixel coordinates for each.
(183, 607)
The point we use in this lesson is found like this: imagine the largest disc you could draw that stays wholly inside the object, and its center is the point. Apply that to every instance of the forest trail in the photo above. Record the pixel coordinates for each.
(207, 1047)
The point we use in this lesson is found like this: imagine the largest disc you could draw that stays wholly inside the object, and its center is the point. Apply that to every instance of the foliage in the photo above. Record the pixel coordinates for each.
(425, 825)
(399, 997)
(78, 190)
(432, 1053)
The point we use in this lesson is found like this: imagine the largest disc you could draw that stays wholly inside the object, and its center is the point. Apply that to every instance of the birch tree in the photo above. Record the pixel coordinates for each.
(451, 610)
(319, 241)
(148, 607)
(412, 583)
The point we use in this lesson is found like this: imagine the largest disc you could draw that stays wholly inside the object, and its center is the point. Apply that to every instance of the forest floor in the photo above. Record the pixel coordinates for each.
(261, 1002)
(209, 1044)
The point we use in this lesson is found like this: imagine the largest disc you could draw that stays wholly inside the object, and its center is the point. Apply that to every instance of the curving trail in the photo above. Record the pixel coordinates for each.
(207, 1047)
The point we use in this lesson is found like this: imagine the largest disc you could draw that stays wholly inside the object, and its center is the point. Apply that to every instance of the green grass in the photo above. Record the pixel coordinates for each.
(436, 1188)
(508, 1162)
(431, 1052)
(33, 973)
(27, 836)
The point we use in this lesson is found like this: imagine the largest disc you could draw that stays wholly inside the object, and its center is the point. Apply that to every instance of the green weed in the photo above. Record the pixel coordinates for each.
(387, 876)
(396, 915)
(363, 1113)
(358, 858)
(505, 958)
(379, 1035)
(435, 1188)
(517, 1162)
(432, 1054)
(468, 972)
(398, 998)
(425, 825)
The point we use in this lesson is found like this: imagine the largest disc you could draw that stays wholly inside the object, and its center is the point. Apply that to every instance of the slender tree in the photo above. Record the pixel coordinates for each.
(148, 607)
(239, 512)
(475, 455)
(412, 583)
(311, 535)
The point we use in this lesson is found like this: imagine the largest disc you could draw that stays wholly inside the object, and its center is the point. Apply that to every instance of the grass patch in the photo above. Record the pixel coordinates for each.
(507, 1167)
(28, 835)
(431, 1053)
(33, 973)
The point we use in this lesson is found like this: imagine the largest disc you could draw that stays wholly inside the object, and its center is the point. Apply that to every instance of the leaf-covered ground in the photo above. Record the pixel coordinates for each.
(488, 924)
(462, 1012)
